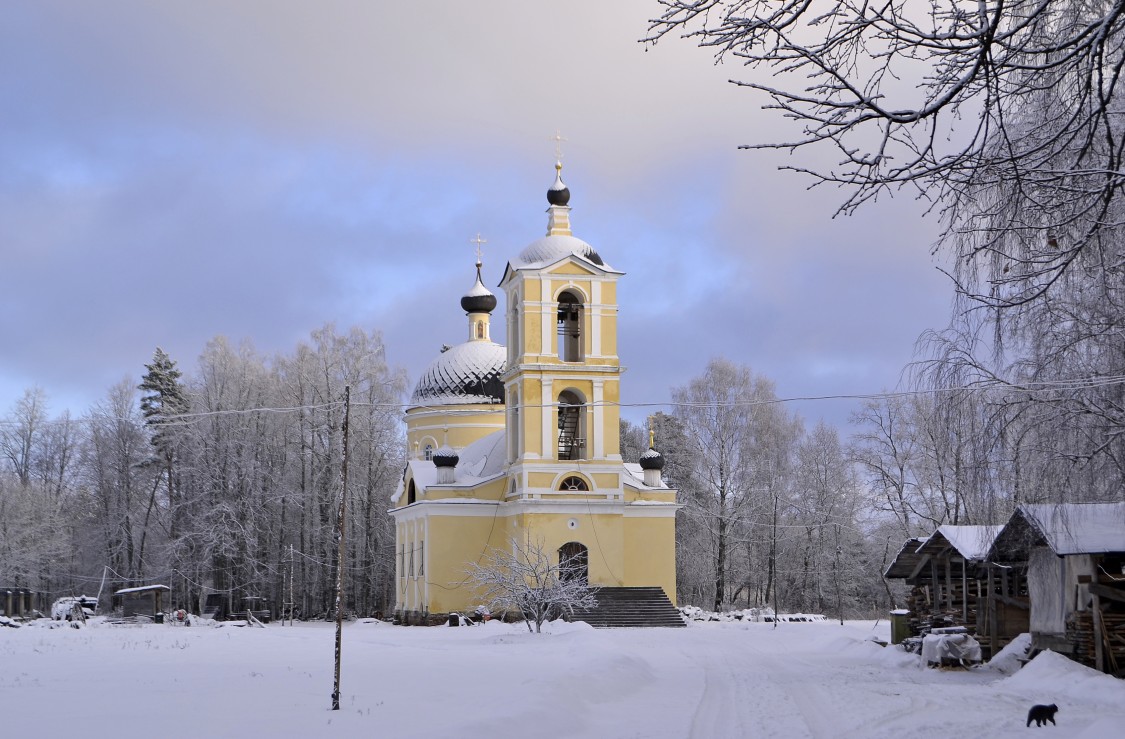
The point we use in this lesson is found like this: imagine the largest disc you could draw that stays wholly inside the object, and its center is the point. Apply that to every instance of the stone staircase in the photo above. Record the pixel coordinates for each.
(631, 607)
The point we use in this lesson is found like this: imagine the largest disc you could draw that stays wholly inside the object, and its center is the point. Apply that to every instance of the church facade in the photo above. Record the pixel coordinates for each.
(522, 443)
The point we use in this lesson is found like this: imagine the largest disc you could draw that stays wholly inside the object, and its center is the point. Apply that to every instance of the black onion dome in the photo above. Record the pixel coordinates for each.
(479, 299)
(468, 373)
(445, 457)
(652, 460)
(559, 194)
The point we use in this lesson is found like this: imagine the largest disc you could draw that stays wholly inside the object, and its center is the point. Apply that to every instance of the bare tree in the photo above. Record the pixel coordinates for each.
(740, 440)
(1003, 114)
(19, 434)
(525, 579)
(1006, 117)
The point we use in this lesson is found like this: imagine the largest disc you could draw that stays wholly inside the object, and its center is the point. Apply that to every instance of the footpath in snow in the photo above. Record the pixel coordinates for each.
(709, 681)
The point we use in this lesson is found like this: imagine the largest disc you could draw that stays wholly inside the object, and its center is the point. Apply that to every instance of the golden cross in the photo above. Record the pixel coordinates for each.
(478, 241)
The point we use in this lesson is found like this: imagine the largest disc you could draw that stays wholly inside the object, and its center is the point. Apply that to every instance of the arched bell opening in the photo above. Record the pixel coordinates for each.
(572, 425)
(570, 327)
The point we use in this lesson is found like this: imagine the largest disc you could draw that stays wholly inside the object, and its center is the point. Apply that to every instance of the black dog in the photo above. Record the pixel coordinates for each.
(1042, 714)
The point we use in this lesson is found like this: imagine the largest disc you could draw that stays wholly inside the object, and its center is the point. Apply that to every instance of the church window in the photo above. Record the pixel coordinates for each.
(572, 425)
(412, 561)
(574, 484)
(402, 560)
(428, 453)
(570, 327)
(421, 559)
(411, 494)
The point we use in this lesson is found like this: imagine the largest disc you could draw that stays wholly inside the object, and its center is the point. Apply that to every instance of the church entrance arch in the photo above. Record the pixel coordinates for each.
(574, 562)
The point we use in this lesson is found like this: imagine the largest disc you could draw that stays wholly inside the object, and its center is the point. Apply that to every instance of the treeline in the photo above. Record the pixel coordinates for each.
(224, 480)
(773, 514)
(777, 515)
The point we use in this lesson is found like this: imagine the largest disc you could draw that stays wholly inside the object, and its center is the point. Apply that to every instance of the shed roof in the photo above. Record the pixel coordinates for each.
(971, 542)
(905, 561)
(142, 589)
(1067, 528)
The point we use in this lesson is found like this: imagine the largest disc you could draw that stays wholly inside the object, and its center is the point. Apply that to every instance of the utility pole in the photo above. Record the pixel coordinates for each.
(292, 604)
(340, 518)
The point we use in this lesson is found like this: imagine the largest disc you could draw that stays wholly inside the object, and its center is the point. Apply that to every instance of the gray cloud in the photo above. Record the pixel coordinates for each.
(177, 171)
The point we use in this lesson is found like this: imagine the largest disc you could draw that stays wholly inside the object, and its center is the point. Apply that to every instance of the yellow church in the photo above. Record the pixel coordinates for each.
(522, 443)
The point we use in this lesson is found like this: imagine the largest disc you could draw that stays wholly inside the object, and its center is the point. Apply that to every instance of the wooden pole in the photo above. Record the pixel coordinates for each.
(340, 528)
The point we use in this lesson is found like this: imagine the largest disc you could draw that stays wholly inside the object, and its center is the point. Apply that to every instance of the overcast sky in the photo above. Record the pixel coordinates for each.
(174, 171)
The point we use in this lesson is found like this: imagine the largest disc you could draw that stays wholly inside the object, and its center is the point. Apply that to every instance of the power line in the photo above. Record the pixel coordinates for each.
(170, 420)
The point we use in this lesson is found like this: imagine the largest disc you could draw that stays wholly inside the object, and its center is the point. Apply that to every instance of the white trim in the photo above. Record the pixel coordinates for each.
(548, 331)
(462, 507)
(548, 409)
(594, 318)
(598, 432)
(520, 506)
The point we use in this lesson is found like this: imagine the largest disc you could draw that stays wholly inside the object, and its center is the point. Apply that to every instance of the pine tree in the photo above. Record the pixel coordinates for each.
(164, 399)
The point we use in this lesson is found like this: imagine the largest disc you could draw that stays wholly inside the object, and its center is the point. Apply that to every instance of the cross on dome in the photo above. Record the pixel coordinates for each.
(478, 241)
(558, 139)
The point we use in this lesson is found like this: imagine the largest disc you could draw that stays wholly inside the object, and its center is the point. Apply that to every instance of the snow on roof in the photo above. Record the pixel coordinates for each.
(1079, 528)
(971, 542)
(550, 249)
(142, 589)
(468, 373)
(484, 458)
(480, 461)
(478, 289)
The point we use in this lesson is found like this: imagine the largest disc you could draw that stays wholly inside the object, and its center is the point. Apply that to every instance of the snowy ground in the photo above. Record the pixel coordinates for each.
(709, 680)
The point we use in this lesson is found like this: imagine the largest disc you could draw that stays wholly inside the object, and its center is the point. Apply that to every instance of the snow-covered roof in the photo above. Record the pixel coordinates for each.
(485, 457)
(142, 589)
(465, 374)
(478, 290)
(1078, 528)
(971, 542)
(479, 462)
(550, 249)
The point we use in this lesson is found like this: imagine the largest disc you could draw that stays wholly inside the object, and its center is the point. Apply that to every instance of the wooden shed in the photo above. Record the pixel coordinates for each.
(147, 600)
(946, 575)
(1073, 558)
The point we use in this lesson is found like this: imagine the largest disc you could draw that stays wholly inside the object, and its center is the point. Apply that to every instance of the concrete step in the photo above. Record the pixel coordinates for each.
(647, 607)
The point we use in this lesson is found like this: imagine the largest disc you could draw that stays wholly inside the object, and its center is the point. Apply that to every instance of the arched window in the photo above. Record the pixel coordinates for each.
(574, 560)
(428, 453)
(570, 327)
(411, 494)
(574, 484)
(572, 425)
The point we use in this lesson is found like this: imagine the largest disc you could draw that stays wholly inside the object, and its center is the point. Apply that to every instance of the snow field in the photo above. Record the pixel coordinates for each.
(710, 680)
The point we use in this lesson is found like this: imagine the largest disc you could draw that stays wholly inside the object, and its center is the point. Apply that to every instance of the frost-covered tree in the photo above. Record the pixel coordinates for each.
(20, 432)
(527, 580)
(1006, 117)
(164, 399)
(739, 441)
